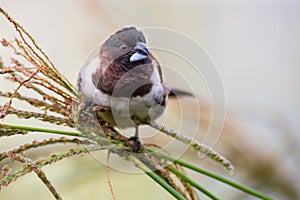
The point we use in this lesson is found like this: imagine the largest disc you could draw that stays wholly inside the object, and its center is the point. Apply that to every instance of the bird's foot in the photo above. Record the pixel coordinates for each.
(88, 105)
(136, 144)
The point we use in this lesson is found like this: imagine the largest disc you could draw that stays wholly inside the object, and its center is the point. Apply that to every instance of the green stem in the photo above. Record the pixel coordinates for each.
(37, 129)
(215, 176)
(192, 182)
(157, 178)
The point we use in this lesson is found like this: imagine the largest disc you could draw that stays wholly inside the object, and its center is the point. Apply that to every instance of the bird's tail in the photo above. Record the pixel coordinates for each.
(179, 93)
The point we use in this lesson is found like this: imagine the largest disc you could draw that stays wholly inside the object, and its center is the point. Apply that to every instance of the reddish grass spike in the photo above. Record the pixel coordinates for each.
(113, 195)
(8, 104)
(5, 109)
(4, 42)
(7, 70)
(32, 52)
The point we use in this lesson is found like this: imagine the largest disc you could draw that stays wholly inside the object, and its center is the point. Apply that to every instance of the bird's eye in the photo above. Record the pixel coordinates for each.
(123, 47)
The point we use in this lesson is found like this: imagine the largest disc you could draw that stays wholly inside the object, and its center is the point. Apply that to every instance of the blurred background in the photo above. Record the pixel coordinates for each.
(255, 47)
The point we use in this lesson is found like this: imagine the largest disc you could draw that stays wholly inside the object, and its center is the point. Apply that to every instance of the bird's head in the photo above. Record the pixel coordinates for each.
(127, 45)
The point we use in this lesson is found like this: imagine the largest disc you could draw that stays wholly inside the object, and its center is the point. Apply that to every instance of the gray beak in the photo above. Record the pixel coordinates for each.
(141, 53)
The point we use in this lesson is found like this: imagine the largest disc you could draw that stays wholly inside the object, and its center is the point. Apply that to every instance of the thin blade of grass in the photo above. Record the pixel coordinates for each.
(157, 178)
(193, 183)
(215, 176)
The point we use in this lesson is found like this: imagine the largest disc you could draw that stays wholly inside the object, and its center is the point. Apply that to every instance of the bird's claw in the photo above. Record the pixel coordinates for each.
(136, 145)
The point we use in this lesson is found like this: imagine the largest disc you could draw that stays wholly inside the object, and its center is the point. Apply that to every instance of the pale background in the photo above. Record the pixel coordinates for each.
(255, 46)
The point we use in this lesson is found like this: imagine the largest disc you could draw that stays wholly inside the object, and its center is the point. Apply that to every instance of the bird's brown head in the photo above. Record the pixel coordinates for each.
(125, 64)
(128, 44)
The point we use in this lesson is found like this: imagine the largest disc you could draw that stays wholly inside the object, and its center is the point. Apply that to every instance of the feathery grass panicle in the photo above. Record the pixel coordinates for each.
(30, 166)
(37, 144)
(39, 116)
(47, 182)
(202, 148)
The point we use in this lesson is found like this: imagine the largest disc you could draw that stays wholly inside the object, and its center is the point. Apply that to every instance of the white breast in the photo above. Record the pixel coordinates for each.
(87, 87)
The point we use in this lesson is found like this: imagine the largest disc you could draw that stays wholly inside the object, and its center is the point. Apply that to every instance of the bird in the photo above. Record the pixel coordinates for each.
(125, 77)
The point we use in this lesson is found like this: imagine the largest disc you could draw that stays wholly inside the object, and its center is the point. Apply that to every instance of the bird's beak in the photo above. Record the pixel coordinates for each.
(141, 53)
